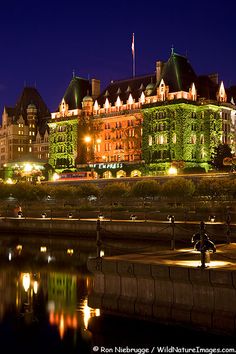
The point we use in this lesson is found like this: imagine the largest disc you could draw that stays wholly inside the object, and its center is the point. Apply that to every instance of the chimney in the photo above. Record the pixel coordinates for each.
(214, 78)
(95, 88)
(159, 69)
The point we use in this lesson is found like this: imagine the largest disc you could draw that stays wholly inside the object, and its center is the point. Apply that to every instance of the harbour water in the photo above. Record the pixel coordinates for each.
(44, 309)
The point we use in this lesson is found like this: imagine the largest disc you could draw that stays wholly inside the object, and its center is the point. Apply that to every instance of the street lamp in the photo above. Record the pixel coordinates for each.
(87, 139)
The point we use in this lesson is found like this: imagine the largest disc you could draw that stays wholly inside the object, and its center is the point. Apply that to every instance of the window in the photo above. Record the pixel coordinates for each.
(30, 149)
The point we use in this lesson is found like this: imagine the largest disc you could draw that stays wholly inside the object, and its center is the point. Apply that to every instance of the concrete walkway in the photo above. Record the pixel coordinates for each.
(225, 257)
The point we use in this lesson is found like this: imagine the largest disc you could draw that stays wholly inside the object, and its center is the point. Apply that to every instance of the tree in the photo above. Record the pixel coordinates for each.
(64, 192)
(213, 188)
(178, 187)
(221, 152)
(145, 188)
(87, 189)
(115, 191)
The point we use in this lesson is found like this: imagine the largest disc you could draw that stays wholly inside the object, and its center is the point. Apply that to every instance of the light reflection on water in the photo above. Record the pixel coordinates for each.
(55, 300)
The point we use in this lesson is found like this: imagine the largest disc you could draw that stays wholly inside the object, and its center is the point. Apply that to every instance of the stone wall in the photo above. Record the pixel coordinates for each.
(192, 296)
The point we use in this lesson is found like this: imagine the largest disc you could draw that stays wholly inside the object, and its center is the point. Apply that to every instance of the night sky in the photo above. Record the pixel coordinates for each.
(43, 41)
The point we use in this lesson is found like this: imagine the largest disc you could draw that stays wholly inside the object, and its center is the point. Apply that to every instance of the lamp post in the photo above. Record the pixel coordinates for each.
(171, 219)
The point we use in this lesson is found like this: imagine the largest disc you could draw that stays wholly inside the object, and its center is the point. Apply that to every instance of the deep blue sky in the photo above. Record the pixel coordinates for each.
(43, 41)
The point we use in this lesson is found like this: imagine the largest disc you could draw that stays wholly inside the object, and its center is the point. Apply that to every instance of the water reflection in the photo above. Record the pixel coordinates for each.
(45, 301)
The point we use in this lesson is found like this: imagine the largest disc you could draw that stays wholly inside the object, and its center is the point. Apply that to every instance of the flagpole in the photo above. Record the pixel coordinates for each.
(133, 55)
(134, 65)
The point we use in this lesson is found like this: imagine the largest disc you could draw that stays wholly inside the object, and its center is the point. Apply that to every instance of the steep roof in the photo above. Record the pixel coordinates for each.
(75, 92)
(206, 87)
(10, 111)
(123, 88)
(30, 95)
(178, 74)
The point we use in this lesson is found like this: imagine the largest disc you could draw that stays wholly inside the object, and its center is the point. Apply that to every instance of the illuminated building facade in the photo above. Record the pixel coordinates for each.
(180, 118)
(143, 124)
(70, 124)
(24, 131)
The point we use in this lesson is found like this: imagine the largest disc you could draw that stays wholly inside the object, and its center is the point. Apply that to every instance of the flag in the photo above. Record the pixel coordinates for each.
(132, 45)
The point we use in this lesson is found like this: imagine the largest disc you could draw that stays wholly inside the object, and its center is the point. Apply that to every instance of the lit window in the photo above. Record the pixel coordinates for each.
(30, 149)
(30, 132)
(149, 140)
(18, 148)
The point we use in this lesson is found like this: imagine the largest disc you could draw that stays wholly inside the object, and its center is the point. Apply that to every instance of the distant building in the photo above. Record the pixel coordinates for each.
(24, 131)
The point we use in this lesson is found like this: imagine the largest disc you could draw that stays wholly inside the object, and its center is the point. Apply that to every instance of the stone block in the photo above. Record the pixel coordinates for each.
(225, 299)
(181, 314)
(143, 309)
(110, 303)
(126, 305)
(109, 266)
(129, 287)
(164, 291)
(198, 275)
(160, 271)
(223, 322)
(221, 277)
(146, 289)
(203, 297)
(179, 274)
(183, 294)
(125, 268)
(234, 278)
(162, 312)
(142, 269)
(112, 284)
(201, 319)
(99, 283)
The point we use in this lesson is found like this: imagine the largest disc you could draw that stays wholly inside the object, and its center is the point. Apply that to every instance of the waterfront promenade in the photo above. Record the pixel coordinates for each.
(169, 286)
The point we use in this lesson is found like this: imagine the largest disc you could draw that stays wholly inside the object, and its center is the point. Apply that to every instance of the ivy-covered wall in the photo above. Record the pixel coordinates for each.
(63, 143)
(181, 132)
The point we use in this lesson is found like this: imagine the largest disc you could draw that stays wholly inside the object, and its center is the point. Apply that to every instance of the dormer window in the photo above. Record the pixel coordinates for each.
(221, 96)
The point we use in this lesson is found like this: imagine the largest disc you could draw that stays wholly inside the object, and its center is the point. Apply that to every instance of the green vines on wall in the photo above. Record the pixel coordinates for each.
(63, 143)
(181, 132)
